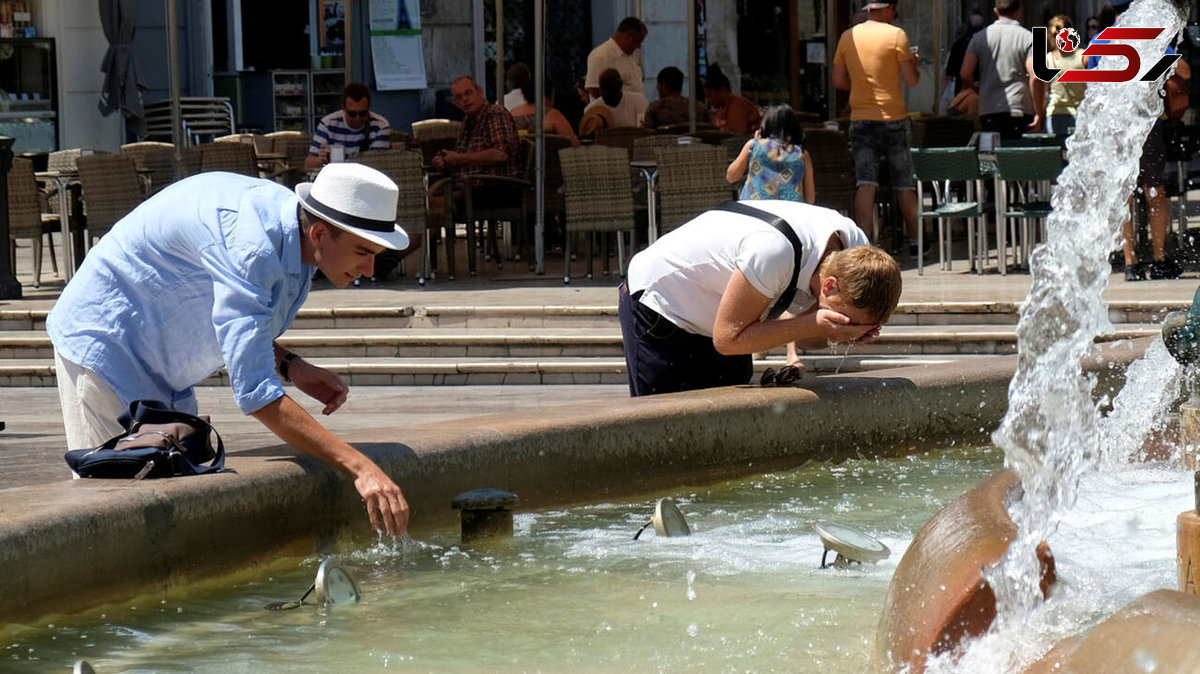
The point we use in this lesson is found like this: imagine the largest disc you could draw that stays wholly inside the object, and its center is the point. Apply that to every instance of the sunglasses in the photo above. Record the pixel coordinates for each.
(786, 376)
(358, 113)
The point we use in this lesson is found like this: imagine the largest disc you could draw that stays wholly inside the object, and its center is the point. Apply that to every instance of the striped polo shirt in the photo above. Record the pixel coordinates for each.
(333, 129)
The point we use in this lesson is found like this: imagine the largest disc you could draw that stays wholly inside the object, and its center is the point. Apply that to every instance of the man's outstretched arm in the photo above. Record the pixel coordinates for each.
(385, 502)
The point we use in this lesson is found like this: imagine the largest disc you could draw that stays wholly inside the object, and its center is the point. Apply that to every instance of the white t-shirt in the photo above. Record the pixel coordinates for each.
(608, 54)
(684, 273)
(629, 111)
(514, 99)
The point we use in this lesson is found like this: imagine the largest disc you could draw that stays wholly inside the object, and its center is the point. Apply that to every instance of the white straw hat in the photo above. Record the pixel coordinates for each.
(358, 199)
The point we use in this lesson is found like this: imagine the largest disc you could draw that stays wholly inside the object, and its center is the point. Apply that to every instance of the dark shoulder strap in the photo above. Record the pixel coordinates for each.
(155, 412)
(785, 300)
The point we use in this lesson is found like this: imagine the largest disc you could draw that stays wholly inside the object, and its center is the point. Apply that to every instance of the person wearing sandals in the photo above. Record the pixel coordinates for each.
(743, 278)
(779, 167)
(207, 274)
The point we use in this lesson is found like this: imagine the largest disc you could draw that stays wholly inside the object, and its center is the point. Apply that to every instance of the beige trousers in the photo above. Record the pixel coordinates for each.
(90, 407)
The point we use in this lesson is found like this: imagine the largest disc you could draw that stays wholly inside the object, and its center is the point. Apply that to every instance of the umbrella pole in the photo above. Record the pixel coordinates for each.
(539, 135)
(693, 81)
(177, 137)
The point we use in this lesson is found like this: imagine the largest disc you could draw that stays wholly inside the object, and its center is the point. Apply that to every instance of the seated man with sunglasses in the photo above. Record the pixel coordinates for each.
(354, 128)
(743, 278)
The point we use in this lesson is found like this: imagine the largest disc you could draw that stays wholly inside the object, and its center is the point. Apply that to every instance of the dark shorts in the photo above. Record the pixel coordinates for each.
(661, 357)
(1005, 124)
(892, 140)
(1154, 159)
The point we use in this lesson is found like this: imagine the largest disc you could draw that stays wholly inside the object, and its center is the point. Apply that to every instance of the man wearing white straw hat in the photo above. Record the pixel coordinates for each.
(207, 274)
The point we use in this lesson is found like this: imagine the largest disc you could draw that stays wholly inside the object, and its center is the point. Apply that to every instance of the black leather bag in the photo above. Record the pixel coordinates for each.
(158, 442)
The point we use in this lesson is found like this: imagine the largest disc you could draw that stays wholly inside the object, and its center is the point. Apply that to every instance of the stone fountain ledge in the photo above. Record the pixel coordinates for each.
(71, 545)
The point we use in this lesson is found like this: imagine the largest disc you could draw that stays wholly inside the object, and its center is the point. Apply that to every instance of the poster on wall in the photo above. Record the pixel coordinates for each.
(333, 27)
(396, 48)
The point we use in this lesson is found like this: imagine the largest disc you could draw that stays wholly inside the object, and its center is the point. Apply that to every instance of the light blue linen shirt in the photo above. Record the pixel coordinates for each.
(205, 274)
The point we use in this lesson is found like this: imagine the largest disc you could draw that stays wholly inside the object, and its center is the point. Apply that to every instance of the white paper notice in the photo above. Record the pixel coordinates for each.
(396, 47)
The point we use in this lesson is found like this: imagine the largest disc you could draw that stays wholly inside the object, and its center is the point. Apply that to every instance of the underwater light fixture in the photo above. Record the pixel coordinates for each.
(332, 585)
(851, 545)
(82, 667)
(667, 520)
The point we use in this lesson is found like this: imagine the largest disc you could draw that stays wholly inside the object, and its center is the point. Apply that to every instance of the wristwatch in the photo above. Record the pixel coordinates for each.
(283, 366)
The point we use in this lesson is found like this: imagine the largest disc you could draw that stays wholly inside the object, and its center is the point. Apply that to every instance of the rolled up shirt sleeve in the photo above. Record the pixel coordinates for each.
(244, 285)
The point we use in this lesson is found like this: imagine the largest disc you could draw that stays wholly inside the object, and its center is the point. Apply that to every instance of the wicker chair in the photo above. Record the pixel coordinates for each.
(63, 161)
(404, 168)
(833, 170)
(622, 136)
(111, 190)
(430, 129)
(231, 157)
(294, 146)
(691, 180)
(189, 161)
(598, 197)
(397, 140)
(157, 159)
(261, 143)
(643, 146)
(25, 217)
(552, 196)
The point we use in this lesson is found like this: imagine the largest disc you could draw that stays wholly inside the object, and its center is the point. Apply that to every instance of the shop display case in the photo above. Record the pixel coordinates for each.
(303, 97)
(28, 94)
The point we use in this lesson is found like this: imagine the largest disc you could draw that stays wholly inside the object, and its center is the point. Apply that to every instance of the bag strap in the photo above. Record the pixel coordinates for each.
(785, 300)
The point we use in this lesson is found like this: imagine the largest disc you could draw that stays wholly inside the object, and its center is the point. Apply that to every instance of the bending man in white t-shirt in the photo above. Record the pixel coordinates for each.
(703, 298)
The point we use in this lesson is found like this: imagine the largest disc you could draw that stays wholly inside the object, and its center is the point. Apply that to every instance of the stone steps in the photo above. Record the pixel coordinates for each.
(483, 317)
(466, 345)
(497, 371)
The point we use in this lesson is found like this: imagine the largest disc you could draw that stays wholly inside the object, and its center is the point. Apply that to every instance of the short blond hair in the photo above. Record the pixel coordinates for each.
(868, 278)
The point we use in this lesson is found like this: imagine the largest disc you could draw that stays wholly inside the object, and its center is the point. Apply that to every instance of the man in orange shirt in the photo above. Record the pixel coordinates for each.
(870, 61)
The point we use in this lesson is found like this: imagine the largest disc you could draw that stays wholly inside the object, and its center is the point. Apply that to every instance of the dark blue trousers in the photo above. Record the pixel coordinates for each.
(663, 358)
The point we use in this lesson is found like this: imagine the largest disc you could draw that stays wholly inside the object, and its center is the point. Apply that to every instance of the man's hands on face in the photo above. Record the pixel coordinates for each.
(839, 328)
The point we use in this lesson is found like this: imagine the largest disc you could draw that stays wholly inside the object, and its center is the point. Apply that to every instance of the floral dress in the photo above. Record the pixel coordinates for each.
(775, 171)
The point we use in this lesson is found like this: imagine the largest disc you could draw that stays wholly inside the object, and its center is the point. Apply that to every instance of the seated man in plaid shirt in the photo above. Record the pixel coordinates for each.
(488, 145)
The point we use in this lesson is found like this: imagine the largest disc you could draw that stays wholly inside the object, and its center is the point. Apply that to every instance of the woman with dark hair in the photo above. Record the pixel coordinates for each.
(779, 166)
(525, 115)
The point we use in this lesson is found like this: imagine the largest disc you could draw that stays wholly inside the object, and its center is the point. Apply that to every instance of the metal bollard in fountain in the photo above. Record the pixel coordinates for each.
(1181, 336)
(485, 513)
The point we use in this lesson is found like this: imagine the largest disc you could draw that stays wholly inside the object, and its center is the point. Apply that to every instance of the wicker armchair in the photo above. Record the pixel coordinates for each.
(598, 197)
(404, 168)
(691, 180)
(111, 190)
(643, 146)
(64, 161)
(293, 145)
(622, 136)
(154, 158)
(430, 129)
(190, 161)
(552, 196)
(231, 157)
(261, 143)
(25, 217)
(833, 170)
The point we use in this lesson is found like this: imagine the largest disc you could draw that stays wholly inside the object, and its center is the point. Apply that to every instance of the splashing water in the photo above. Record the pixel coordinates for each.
(1051, 434)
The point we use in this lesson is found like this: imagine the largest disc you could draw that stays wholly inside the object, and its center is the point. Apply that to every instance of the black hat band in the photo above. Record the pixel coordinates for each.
(349, 219)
